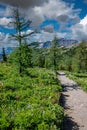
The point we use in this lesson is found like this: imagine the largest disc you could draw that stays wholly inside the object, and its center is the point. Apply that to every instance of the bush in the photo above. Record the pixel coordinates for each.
(29, 102)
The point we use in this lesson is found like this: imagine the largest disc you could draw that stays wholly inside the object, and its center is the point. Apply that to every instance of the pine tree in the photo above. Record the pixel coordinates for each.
(55, 53)
(4, 55)
(81, 57)
(21, 25)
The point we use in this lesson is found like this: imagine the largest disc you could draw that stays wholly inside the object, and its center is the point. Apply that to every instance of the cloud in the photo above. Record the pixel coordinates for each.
(40, 10)
(2, 12)
(84, 21)
(5, 11)
(43, 36)
(36, 17)
(63, 18)
(79, 31)
(85, 1)
(49, 28)
(46, 36)
(5, 41)
(5, 22)
(24, 3)
(8, 11)
(2, 36)
(54, 9)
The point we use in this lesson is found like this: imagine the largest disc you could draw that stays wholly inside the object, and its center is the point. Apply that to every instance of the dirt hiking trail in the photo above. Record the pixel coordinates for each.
(74, 101)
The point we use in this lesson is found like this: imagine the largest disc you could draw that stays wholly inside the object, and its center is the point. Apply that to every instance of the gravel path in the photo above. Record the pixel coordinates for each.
(74, 101)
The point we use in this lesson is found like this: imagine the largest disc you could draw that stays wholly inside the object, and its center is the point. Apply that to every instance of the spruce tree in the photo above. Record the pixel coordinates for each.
(20, 24)
(4, 57)
(55, 53)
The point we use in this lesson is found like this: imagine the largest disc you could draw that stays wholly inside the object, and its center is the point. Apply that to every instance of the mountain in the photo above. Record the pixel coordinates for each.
(67, 42)
(46, 44)
(62, 42)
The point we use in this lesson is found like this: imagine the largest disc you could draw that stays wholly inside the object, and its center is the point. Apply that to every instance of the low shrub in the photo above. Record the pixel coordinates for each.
(30, 102)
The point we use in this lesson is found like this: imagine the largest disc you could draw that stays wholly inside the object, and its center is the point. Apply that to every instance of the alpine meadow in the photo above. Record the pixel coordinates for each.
(43, 65)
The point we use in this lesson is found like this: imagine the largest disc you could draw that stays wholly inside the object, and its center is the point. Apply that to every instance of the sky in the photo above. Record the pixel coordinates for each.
(63, 18)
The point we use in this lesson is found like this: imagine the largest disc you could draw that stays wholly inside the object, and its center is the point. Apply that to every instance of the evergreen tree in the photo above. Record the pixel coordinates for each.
(55, 53)
(21, 25)
(4, 57)
(81, 57)
(26, 56)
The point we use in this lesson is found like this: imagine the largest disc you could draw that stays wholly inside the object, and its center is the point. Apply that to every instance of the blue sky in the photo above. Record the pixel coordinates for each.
(63, 18)
(80, 4)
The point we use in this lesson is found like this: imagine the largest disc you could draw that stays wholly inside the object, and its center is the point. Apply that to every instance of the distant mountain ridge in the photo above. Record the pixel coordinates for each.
(62, 42)
(67, 42)
(46, 44)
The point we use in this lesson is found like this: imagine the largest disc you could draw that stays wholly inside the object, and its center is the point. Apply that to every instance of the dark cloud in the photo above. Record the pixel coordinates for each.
(49, 28)
(23, 3)
(75, 20)
(63, 18)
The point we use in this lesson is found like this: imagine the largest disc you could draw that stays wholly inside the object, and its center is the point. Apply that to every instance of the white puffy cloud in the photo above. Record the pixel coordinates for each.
(3, 39)
(43, 36)
(40, 10)
(54, 9)
(6, 11)
(36, 17)
(1, 36)
(6, 41)
(79, 31)
(84, 21)
(46, 36)
(5, 21)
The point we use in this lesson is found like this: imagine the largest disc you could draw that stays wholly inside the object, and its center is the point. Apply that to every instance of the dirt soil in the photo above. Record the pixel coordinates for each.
(74, 101)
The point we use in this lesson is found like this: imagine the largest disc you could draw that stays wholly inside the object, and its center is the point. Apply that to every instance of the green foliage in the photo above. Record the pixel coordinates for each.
(80, 78)
(21, 24)
(26, 57)
(74, 59)
(55, 53)
(81, 57)
(29, 102)
(40, 57)
(47, 57)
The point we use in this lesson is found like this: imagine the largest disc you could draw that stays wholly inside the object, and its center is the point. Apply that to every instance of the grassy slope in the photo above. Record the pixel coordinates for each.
(29, 102)
(80, 78)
